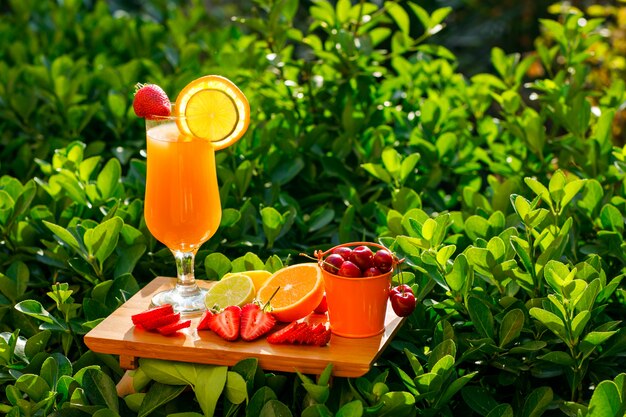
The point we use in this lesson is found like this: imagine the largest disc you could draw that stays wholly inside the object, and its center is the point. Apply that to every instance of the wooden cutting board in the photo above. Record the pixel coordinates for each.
(116, 335)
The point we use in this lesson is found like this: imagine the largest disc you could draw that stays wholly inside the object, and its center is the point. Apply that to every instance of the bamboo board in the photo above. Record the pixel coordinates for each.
(116, 335)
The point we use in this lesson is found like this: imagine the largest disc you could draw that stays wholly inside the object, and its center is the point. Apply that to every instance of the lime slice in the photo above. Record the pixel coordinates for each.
(236, 290)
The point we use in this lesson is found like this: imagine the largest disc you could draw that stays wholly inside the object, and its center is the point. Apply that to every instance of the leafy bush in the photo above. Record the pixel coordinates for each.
(504, 192)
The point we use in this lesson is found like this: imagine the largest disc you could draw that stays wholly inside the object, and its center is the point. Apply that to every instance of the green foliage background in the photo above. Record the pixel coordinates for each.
(502, 185)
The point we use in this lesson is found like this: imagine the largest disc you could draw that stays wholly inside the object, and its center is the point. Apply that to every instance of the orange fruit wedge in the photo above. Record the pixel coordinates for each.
(300, 290)
(213, 108)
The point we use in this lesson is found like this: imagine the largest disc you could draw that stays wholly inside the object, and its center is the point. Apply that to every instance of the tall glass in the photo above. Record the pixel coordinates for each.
(182, 204)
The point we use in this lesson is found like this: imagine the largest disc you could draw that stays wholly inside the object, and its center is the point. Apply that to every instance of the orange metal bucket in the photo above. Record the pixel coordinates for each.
(356, 306)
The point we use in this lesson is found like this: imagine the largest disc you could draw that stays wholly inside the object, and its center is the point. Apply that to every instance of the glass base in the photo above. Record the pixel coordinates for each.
(187, 304)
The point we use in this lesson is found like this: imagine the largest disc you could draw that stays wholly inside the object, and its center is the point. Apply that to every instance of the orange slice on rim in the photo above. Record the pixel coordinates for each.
(213, 108)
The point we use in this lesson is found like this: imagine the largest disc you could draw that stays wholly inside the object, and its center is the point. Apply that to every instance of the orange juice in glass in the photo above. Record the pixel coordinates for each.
(182, 202)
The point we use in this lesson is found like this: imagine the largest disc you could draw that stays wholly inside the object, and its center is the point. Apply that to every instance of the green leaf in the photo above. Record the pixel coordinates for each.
(14, 284)
(34, 309)
(537, 402)
(216, 264)
(317, 410)
(50, 371)
(109, 178)
(158, 395)
(593, 340)
(400, 16)
(579, 323)
(63, 235)
(351, 409)
(272, 223)
(611, 218)
(377, 171)
(558, 357)
(550, 320)
(481, 317)
(319, 393)
(275, 408)
(100, 389)
(36, 343)
(34, 386)
(209, 384)
(591, 197)
(446, 347)
(605, 400)
(258, 400)
(570, 191)
(540, 190)
(458, 276)
(102, 239)
(165, 372)
(511, 326)
(454, 387)
(397, 404)
(478, 399)
(236, 389)
(392, 161)
(407, 167)
(444, 254)
(501, 410)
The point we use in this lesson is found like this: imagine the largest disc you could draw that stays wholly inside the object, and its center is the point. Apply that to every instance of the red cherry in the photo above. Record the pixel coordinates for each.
(383, 260)
(349, 269)
(372, 272)
(362, 256)
(403, 303)
(400, 289)
(344, 251)
(333, 263)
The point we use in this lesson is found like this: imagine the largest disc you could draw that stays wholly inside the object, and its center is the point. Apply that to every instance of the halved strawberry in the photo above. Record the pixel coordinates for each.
(174, 327)
(255, 322)
(205, 320)
(226, 323)
(150, 100)
(152, 313)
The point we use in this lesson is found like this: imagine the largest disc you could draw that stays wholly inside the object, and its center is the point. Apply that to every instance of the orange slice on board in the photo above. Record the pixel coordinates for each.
(213, 108)
(301, 290)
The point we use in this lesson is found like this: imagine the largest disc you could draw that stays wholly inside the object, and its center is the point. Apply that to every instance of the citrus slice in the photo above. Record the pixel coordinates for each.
(213, 108)
(258, 276)
(300, 290)
(237, 290)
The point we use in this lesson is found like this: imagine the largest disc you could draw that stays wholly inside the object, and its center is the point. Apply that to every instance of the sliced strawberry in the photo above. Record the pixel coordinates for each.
(255, 322)
(301, 333)
(150, 100)
(314, 332)
(323, 338)
(281, 335)
(226, 323)
(205, 320)
(160, 321)
(174, 327)
(151, 314)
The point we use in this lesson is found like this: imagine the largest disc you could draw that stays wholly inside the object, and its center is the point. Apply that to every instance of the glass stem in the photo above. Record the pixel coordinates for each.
(186, 282)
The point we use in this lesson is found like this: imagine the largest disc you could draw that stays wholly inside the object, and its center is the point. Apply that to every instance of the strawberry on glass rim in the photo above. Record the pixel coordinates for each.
(151, 102)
